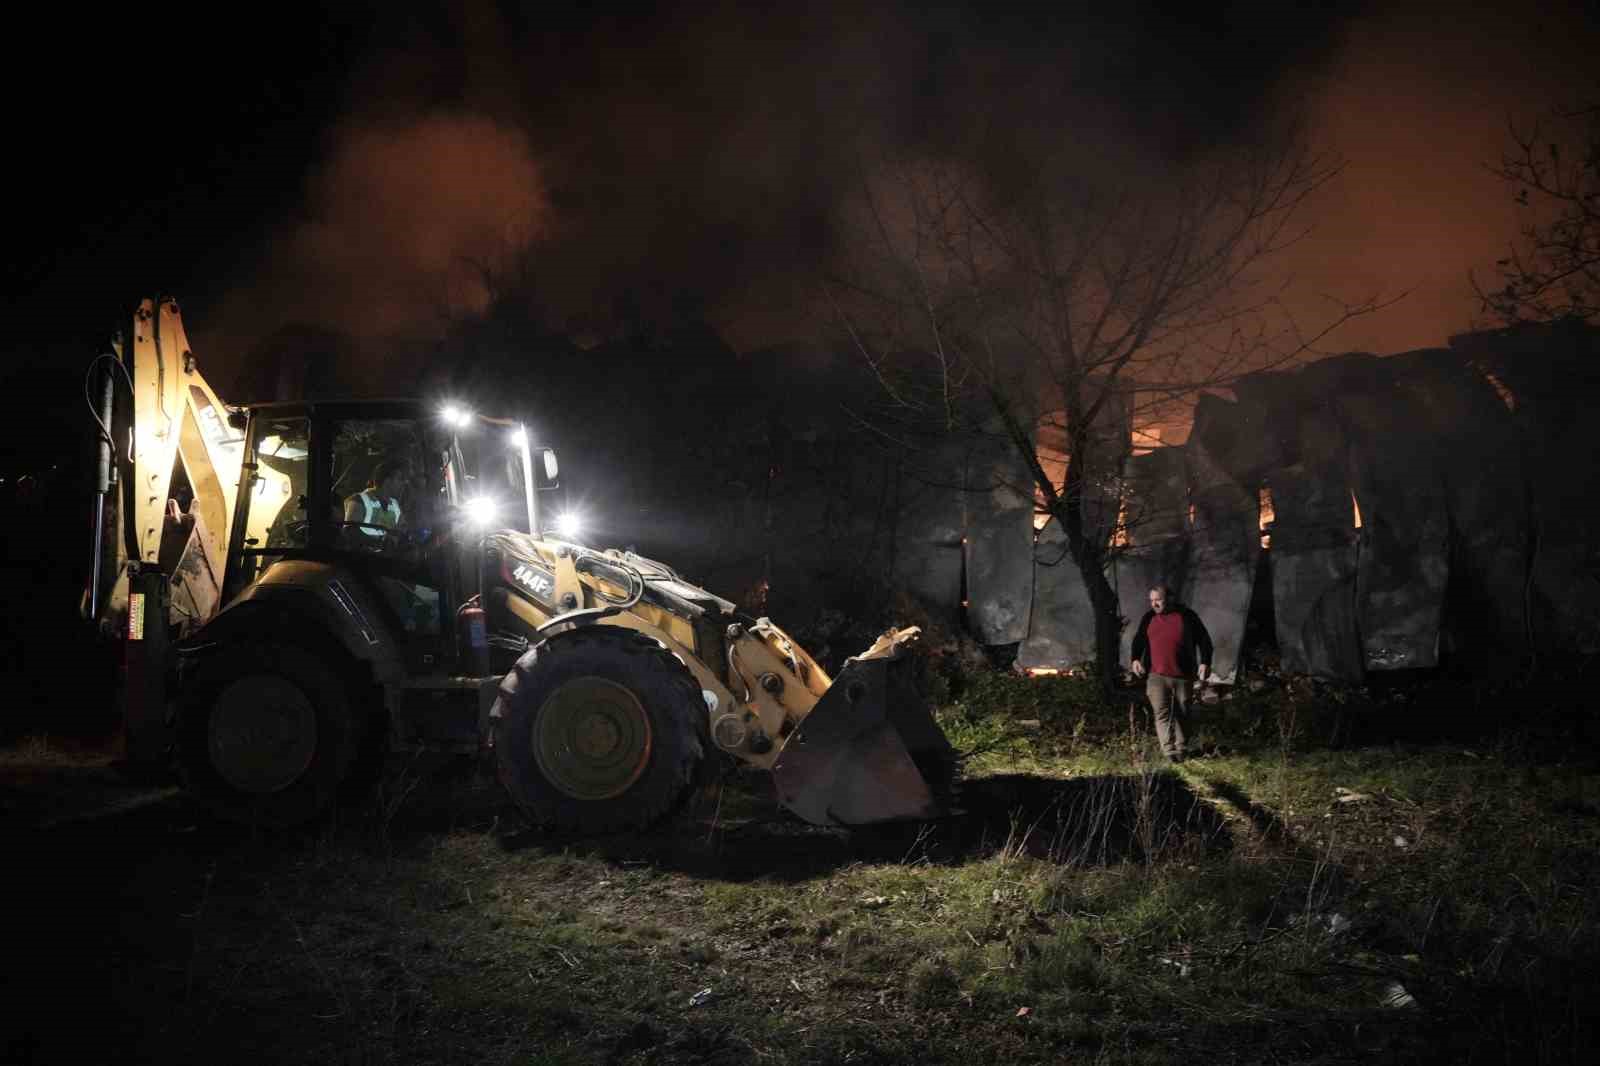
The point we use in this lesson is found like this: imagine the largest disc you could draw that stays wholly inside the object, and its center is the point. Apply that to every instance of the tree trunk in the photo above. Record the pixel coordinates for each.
(1107, 619)
(1088, 545)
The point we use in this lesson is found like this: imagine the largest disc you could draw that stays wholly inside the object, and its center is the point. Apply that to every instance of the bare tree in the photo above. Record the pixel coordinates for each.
(1075, 303)
(1553, 270)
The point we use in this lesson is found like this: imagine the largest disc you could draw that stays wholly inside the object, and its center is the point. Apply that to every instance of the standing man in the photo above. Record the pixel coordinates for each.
(1171, 647)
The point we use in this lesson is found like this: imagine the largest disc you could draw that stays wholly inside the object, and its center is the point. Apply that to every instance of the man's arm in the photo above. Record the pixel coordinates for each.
(353, 511)
(1136, 652)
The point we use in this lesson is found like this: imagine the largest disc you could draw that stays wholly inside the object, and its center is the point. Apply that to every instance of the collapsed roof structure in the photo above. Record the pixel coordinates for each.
(1403, 510)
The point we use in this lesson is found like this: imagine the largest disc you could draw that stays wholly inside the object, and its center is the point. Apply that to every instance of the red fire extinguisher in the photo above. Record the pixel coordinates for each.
(472, 634)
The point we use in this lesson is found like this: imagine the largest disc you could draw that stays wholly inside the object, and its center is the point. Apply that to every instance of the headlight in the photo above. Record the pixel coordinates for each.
(569, 525)
(455, 415)
(480, 511)
(519, 437)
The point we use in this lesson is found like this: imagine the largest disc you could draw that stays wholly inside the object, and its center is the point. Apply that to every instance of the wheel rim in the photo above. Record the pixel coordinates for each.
(262, 734)
(592, 739)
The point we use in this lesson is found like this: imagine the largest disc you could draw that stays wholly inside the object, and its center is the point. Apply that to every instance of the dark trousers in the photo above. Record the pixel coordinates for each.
(1169, 698)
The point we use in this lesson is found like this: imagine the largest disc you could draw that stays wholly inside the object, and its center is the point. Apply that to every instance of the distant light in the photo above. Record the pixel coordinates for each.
(569, 524)
(1507, 397)
(1264, 510)
(481, 511)
(456, 415)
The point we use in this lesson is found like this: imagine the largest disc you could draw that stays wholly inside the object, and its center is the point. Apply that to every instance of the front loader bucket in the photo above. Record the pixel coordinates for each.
(869, 751)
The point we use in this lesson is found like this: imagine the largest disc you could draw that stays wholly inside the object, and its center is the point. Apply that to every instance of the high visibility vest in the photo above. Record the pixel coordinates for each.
(378, 515)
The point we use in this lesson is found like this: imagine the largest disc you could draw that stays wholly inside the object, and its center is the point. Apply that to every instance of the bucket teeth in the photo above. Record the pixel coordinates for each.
(868, 752)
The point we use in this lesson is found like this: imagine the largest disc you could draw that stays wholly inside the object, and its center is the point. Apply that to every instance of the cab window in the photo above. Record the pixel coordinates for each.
(383, 490)
(275, 498)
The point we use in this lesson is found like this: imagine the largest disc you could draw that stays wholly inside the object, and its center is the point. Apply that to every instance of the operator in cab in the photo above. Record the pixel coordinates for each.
(375, 510)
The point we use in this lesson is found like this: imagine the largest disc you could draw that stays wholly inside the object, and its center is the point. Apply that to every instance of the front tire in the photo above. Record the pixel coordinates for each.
(266, 735)
(598, 730)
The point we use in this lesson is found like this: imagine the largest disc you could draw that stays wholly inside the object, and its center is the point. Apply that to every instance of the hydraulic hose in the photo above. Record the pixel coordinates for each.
(88, 396)
(632, 579)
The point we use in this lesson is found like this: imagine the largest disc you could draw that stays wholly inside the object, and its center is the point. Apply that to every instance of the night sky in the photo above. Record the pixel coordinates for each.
(340, 169)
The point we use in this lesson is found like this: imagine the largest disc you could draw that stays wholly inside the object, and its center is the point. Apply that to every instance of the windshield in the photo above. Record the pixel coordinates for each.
(386, 482)
(488, 473)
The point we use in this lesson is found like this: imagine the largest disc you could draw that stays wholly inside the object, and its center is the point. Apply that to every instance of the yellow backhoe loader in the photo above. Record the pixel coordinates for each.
(300, 586)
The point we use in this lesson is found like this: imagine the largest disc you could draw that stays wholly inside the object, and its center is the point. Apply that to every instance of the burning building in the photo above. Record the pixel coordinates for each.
(1400, 511)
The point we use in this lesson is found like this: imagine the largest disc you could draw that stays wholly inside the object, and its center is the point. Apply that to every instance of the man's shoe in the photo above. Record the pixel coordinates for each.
(1175, 758)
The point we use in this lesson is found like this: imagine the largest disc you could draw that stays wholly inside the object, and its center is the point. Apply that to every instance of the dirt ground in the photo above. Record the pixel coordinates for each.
(166, 937)
(1083, 910)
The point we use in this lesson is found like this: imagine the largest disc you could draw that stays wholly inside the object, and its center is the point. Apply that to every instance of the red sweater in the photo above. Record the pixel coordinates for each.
(1165, 633)
(1193, 642)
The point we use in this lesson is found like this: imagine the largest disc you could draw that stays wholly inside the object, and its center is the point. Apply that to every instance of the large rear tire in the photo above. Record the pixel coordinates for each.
(598, 730)
(266, 735)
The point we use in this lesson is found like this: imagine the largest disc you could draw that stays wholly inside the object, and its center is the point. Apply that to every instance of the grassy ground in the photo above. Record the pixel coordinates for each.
(1301, 892)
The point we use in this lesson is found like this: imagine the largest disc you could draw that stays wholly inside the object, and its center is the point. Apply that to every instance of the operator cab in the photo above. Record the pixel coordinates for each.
(383, 489)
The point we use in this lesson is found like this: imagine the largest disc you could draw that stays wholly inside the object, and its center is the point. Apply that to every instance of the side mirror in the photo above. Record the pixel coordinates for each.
(547, 472)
